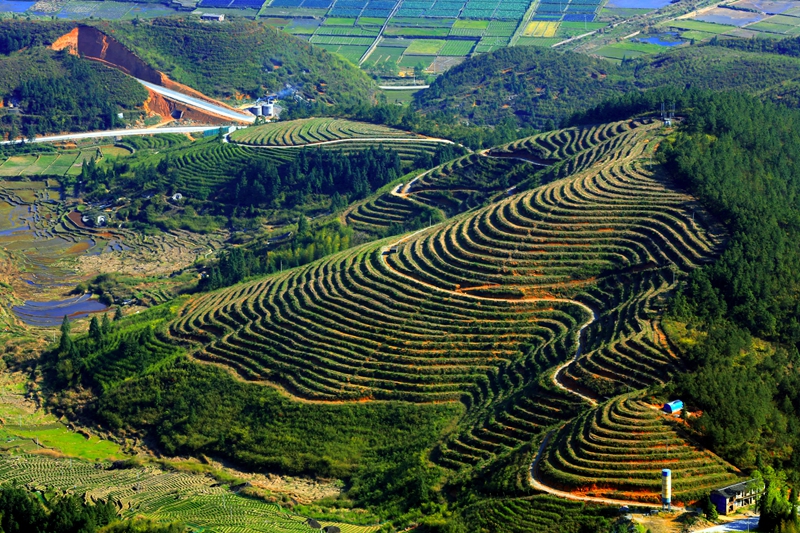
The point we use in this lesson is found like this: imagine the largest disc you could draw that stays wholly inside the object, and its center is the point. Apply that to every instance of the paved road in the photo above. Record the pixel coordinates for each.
(114, 133)
(198, 103)
(746, 524)
(402, 87)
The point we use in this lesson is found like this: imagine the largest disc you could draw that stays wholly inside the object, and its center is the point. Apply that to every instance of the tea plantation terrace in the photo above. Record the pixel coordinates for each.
(448, 316)
(621, 447)
(453, 185)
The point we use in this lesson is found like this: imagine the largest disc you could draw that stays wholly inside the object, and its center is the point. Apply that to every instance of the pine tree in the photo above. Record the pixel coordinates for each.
(94, 329)
(65, 343)
(106, 325)
(118, 314)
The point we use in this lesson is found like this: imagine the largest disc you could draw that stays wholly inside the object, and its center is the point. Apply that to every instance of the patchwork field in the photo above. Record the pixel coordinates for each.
(48, 164)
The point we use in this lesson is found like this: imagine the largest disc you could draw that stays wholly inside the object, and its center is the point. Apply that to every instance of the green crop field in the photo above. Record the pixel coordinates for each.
(163, 496)
(697, 35)
(49, 164)
(772, 27)
(645, 48)
(385, 54)
(339, 21)
(615, 52)
(425, 47)
(538, 41)
(417, 32)
(471, 24)
(351, 53)
(457, 48)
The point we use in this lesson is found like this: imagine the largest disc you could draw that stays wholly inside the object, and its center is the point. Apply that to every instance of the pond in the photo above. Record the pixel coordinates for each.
(52, 313)
(661, 39)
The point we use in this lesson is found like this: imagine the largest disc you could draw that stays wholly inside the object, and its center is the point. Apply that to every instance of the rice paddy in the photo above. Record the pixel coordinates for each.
(51, 164)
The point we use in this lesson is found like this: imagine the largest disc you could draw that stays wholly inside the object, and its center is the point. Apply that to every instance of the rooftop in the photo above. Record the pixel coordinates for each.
(732, 490)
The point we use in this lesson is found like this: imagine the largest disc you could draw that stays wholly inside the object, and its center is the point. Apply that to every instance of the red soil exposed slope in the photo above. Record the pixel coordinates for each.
(96, 45)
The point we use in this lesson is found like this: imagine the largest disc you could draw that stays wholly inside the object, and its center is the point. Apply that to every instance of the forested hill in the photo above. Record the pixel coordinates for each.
(738, 156)
(60, 92)
(242, 57)
(536, 86)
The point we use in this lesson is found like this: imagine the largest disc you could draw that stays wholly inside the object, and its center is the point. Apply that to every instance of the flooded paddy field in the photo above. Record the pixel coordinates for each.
(50, 314)
(48, 247)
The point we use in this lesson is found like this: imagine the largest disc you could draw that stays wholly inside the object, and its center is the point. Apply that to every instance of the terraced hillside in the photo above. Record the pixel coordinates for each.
(529, 310)
(619, 450)
(561, 144)
(196, 500)
(349, 327)
(210, 165)
(467, 182)
(315, 130)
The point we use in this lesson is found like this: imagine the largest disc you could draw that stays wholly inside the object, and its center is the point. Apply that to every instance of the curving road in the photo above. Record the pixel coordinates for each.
(198, 103)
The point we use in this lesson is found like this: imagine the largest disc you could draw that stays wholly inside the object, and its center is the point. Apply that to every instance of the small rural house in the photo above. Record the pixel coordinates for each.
(212, 16)
(673, 407)
(728, 499)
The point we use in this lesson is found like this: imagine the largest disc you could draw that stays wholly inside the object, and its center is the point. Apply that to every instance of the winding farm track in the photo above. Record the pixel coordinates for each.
(538, 485)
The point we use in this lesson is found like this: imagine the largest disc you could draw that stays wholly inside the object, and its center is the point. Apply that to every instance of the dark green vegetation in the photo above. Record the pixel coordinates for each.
(242, 57)
(25, 512)
(55, 92)
(299, 248)
(745, 173)
(316, 172)
(16, 35)
(542, 87)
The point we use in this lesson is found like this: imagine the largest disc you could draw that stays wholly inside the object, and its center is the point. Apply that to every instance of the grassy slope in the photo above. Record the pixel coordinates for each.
(553, 85)
(241, 57)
